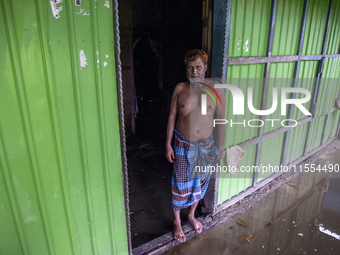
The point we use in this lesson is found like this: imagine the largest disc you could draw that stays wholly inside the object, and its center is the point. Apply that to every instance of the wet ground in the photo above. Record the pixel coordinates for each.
(151, 213)
(150, 194)
(300, 216)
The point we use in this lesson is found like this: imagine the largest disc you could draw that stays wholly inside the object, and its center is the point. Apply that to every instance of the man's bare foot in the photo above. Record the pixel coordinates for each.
(178, 233)
(197, 225)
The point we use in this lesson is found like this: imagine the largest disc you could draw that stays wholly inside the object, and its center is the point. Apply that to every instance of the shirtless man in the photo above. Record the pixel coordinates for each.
(192, 128)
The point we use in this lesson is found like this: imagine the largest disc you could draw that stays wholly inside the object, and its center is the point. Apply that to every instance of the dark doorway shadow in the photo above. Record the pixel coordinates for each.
(163, 31)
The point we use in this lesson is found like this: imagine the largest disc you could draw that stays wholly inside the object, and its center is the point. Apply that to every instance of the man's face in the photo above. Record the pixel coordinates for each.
(196, 70)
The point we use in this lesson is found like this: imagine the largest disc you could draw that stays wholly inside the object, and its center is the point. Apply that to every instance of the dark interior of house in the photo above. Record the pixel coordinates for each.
(162, 32)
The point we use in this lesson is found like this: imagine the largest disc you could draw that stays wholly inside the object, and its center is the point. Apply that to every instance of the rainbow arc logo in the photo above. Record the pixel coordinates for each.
(208, 92)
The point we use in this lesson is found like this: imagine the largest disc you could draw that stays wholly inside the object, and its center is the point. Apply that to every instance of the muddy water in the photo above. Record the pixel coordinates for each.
(302, 216)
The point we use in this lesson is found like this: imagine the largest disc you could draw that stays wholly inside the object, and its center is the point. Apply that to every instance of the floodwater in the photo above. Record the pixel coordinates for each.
(301, 216)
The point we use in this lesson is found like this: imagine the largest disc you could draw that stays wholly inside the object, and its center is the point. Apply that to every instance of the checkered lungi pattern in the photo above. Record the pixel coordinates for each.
(187, 185)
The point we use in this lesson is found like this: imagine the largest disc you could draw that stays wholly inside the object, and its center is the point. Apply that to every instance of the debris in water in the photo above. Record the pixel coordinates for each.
(300, 234)
(234, 157)
(243, 223)
(240, 237)
(247, 240)
(313, 223)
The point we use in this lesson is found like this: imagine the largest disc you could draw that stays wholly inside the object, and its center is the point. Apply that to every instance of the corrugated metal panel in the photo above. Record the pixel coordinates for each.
(230, 186)
(296, 143)
(234, 134)
(334, 31)
(336, 69)
(281, 70)
(252, 40)
(270, 155)
(306, 80)
(316, 133)
(277, 83)
(246, 39)
(60, 156)
(286, 36)
(331, 125)
(324, 86)
(249, 28)
(333, 86)
(333, 131)
(280, 75)
(315, 27)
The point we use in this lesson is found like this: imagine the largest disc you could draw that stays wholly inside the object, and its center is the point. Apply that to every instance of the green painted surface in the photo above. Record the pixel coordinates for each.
(60, 159)
(248, 37)
(316, 133)
(280, 75)
(315, 27)
(333, 88)
(286, 35)
(333, 131)
(306, 80)
(296, 143)
(235, 134)
(270, 155)
(334, 31)
(249, 28)
(325, 87)
(229, 185)
(332, 124)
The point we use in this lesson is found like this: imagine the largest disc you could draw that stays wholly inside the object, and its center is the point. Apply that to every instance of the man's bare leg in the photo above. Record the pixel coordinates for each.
(178, 232)
(198, 226)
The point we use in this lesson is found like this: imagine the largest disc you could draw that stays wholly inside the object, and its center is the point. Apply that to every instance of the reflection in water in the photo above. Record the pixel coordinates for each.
(326, 231)
(299, 217)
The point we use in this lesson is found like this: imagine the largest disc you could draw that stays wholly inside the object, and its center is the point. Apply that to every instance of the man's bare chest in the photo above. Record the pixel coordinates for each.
(191, 100)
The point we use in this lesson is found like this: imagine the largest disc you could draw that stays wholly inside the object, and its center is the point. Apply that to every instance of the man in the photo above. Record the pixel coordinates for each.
(194, 141)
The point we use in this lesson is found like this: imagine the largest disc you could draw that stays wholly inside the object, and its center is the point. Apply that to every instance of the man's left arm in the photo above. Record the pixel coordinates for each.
(220, 114)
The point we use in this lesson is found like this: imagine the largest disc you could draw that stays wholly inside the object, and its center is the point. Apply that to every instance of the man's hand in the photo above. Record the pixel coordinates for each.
(169, 153)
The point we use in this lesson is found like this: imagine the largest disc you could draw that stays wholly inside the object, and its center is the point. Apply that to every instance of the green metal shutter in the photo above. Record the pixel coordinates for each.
(61, 188)
(273, 39)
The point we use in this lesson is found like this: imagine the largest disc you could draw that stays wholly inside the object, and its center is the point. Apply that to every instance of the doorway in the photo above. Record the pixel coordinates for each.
(155, 35)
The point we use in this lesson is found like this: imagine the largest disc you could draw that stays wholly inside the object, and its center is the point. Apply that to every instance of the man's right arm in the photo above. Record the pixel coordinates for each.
(171, 123)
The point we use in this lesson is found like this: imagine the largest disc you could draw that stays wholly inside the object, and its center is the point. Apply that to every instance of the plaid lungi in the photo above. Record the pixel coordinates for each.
(187, 185)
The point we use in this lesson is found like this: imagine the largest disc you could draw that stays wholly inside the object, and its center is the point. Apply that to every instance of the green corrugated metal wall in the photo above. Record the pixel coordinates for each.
(60, 159)
(249, 30)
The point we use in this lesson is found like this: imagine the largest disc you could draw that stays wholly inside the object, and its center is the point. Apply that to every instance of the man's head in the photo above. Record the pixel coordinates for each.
(196, 62)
